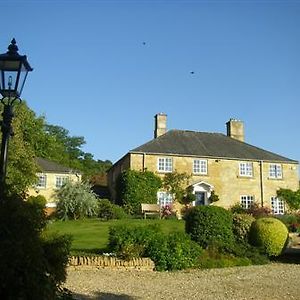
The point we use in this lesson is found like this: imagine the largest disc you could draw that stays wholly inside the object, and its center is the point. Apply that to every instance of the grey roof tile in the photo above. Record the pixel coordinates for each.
(51, 166)
(204, 144)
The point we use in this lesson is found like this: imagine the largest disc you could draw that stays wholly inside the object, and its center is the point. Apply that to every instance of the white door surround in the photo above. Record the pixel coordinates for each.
(202, 190)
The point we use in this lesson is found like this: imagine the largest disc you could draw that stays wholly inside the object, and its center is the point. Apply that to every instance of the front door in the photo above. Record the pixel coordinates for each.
(200, 198)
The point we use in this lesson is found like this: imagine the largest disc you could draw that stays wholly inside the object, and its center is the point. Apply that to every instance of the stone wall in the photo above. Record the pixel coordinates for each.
(223, 175)
(145, 264)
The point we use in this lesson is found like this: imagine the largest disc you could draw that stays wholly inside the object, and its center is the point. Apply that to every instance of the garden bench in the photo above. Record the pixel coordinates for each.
(150, 209)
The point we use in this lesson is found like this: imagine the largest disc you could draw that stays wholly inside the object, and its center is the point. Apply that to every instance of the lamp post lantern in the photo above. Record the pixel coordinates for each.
(14, 69)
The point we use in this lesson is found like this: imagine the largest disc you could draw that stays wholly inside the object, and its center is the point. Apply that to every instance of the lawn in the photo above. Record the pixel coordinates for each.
(91, 235)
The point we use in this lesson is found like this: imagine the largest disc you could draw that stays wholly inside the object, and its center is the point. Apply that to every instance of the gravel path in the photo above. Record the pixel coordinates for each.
(273, 281)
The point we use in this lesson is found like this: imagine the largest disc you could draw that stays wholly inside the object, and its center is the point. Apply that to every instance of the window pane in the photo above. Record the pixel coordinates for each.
(165, 164)
(246, 201)
(246, 169)
(164, 198)
(42, 181)
(60, 181)
(200, 166)
(277, 206)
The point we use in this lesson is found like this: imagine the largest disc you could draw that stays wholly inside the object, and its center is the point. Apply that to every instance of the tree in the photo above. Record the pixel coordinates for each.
(33, 137)
(136, 187)
(67, 151)
(176, 184)
(290, 197)
(28, 130)
(76, 200)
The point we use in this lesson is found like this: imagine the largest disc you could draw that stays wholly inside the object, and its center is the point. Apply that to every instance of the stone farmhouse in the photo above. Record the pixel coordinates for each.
(236, 171)
(50, 178)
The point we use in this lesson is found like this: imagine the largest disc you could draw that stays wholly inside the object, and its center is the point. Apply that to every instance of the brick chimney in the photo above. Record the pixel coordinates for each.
(235, 129)
(160, 126)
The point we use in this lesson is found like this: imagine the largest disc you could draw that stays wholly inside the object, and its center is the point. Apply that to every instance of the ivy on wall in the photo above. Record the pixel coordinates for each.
(136, 187)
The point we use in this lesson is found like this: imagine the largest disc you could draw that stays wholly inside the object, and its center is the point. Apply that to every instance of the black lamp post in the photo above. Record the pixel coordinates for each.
(13, 73)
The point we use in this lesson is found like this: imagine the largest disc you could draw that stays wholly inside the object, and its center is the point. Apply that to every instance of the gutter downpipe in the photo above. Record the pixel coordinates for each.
(261, 183)
(144, 159)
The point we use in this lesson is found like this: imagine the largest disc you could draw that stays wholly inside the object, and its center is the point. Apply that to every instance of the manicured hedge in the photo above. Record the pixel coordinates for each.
(174, 251)
(270, 234)
(210, 225)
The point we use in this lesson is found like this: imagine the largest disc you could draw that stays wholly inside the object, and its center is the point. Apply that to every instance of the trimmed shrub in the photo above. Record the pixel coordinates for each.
(210, 224)
(175, 251)
(109, 211)
(129, 241)
(270, 234)
(241, 226)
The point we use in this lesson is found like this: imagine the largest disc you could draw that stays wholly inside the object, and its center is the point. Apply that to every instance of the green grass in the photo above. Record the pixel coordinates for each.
(90, 236)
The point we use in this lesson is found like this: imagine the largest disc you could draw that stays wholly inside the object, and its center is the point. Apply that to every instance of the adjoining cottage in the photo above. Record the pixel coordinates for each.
(50, 178)
(236, 171)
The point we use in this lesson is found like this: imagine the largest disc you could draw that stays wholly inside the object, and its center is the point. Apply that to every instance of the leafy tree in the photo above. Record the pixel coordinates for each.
(33, 137)
(21, 170)
(290, 197)
(76, 200)
(67, 151)
(176, 184)
(135, 187)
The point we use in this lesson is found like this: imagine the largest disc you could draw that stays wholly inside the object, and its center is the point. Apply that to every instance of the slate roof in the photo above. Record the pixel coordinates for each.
(51, 166)
(204, 144)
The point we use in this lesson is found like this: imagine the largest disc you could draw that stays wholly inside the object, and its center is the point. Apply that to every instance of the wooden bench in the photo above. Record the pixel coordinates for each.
(150, 209)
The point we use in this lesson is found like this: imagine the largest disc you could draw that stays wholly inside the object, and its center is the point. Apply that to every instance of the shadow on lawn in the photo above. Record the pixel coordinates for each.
(104, 296)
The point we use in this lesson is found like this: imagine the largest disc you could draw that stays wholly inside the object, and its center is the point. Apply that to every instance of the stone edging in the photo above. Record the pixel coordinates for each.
(111, 262)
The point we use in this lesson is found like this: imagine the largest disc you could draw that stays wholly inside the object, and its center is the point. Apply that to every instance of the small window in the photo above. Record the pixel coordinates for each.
(200, 166)
(60, 181)
(246, 169)
(277, 206)
(165, 164)
(42, 181)
(275, 171)
(164, 198)
(246, 201)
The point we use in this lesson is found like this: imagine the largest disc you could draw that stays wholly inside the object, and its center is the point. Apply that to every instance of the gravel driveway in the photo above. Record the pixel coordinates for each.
(273, 281)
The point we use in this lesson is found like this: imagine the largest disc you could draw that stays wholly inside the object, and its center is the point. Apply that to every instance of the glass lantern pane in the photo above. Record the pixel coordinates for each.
(1, 80)
(10, 65)
(22, 79)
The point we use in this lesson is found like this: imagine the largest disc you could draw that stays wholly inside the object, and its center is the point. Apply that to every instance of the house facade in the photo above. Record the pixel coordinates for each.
(50, 178)
(236, 171)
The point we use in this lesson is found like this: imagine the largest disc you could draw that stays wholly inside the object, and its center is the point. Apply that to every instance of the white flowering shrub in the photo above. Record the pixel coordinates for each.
(76, 200)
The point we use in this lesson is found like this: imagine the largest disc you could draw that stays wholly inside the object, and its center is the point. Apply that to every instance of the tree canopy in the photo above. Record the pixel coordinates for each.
(34, 137)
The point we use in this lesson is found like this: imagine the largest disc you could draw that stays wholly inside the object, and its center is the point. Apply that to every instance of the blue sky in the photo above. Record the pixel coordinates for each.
(103, 69)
